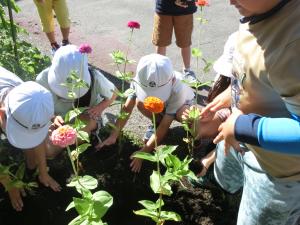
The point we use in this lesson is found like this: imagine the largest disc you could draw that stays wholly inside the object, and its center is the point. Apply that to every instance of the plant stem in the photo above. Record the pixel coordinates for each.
(158, 171)
(73, 165)
(12, 27)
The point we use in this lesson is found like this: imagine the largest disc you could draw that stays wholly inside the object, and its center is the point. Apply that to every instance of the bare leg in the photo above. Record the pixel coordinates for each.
(161, 50)
(186, 57)
(65, 33)
(206, 162)
(51, 37)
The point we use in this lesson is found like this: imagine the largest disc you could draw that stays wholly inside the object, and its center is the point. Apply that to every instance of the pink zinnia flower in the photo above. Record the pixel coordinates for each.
(85, 48)
(64, 136)
(133, 24)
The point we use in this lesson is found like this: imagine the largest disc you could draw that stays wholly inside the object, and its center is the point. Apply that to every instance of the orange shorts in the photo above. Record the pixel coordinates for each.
(163, 30)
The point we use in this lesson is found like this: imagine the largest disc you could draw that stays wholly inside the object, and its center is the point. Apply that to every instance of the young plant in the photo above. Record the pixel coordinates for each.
(91, 207)
(12, 180)
(189, 124)
(120, 59)
(160, 183)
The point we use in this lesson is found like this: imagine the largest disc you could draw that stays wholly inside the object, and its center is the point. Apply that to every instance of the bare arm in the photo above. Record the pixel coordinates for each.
(120, 123)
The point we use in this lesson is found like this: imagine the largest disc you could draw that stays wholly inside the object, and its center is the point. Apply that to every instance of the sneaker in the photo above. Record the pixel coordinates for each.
(189, 76)
(54, 47)
(148, 133)
(65, 42)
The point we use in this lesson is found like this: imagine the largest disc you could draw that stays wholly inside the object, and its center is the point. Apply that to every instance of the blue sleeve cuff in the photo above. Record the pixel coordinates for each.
(245, 128)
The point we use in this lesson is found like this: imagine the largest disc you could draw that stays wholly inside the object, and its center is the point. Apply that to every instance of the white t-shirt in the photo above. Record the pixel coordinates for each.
(8, 80)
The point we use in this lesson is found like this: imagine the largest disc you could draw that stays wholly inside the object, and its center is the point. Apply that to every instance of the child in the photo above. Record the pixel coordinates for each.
(267, 118)
(177, 15)
(99, 95)
(154, 77)
(26, 109)
(45, 9)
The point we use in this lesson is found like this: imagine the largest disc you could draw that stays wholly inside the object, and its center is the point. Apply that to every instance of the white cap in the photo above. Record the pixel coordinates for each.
(223, 65)
(154, 75)
(29, 109)
(67, 59)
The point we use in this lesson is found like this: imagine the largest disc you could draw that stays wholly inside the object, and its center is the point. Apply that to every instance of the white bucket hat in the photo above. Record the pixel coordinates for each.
(67, 59)
(29, 109)
(223, 65)
(154, 75)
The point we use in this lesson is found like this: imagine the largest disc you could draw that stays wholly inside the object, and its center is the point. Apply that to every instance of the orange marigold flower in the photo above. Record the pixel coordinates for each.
(154, 104)
(202, 3)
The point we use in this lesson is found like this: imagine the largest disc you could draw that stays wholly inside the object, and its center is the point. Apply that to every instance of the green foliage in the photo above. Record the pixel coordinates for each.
(152, 210)
(91, 207)
(30, 60)
(82, 183)
(15, 180)
(161, 183)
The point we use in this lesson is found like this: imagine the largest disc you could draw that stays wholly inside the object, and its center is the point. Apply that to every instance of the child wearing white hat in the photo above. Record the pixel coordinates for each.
(154, 77)
(26, 110)
(97, 97)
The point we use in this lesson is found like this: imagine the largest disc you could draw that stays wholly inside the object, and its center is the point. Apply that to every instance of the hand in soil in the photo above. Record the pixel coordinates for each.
(135, 164)
(15, 196)
(49, 182)
(108, 141)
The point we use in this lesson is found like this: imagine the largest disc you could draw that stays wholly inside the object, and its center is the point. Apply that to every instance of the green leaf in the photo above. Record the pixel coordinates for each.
(163, 151)
(147, 213)
(20, 172)
(144, 155)
(74, 113)
(86, 181)
(82, 148)
(196, 52)
(83, 135)
(167, 215)
(149, 204)
(77, 220)
(70, 206)
(102, 202)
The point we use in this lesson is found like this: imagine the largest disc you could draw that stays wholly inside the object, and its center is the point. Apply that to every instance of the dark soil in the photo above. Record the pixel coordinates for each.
(44, 207)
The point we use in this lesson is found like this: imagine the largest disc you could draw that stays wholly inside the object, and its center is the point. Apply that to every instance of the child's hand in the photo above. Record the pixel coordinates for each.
(58, 121)
(181, 3)
(222, 100)
(95, 111)
(226, 132)
(15, 196)
(109, 141)
(136, 164)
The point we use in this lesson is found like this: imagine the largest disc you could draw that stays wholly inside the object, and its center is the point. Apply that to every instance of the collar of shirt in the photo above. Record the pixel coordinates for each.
(260, 17)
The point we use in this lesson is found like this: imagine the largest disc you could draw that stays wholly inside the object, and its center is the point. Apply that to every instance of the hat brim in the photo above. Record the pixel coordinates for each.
(63, 91)
(162, 93)
(22, 137)
(223, 67)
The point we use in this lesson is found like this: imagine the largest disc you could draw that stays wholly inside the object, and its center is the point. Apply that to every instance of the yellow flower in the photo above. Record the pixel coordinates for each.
(154, 104)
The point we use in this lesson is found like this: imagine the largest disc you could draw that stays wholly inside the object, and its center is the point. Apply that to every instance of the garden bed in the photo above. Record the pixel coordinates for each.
(45, 207)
